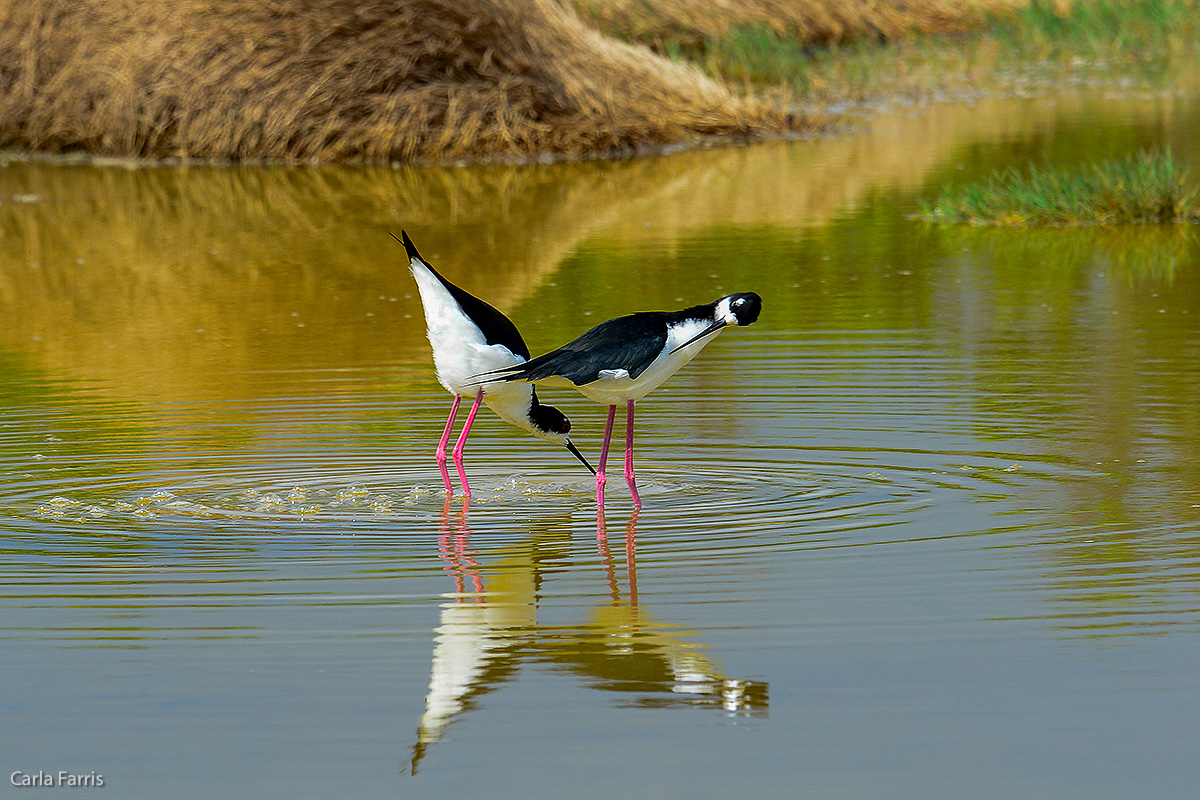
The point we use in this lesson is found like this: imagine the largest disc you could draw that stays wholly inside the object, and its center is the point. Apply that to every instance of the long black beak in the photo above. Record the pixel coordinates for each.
(579, 455)
(716, 326)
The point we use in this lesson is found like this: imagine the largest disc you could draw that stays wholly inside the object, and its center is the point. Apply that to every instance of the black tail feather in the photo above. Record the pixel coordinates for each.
(409, 247)
(513, 373)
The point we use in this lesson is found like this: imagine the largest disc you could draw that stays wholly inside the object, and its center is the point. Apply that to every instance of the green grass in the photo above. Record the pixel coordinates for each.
(1097, 26)
(1095, 31)
(755, 54)
(1148, 187)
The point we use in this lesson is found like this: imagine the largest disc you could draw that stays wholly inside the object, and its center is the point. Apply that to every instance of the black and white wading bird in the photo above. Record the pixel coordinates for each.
(470, 337)
(624, 359)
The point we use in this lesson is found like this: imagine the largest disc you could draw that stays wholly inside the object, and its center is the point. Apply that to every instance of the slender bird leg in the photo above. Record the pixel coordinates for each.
(629, 478)
(600, 477)
(462, 443)
(441, 450)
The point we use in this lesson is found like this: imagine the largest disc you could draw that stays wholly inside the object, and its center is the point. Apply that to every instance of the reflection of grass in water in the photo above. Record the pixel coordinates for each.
(1134, 254)
(1151, 253)
(1147, 187)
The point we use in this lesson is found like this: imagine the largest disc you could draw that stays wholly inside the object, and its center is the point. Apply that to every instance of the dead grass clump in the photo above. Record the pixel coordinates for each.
(318, 80)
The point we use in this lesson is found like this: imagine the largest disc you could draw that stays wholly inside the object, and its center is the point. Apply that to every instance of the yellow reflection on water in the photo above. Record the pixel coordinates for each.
(197, 283)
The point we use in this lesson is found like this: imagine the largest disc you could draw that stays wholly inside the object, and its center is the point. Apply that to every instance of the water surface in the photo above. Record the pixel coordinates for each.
(928, 529)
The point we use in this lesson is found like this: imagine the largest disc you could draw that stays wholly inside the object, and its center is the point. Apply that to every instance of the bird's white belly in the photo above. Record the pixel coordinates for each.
(458, 359)
(615, 387)
(458, 366)
(511, 401)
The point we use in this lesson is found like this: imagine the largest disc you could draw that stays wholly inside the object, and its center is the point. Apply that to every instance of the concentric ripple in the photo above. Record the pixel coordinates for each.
(766, 453)
(297, 473)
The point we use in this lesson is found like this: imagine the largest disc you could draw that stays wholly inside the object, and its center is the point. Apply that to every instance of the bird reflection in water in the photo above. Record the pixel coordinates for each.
(489, 628)
(452, 548)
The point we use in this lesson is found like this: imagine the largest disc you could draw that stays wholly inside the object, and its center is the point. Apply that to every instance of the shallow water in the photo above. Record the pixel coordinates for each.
(928, 529)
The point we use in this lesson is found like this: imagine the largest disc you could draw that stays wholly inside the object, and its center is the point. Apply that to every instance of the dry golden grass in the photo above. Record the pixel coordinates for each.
(400, 80)
(317, 80)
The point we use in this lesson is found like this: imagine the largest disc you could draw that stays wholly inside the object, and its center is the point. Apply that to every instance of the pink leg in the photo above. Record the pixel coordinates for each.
(461, 444)
(629, 478)
(600, 478)
(441, 450)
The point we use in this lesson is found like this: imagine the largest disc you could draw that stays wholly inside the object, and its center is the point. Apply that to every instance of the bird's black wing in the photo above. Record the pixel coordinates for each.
(630, 343)
(496, 328)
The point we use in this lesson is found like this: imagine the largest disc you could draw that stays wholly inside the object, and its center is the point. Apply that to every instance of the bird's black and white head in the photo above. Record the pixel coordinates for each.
(739, 309)
(552, 425)
(735, 309)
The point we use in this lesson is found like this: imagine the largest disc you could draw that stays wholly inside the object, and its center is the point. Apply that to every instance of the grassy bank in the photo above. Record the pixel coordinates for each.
(759, 37)
(433, 80)
(1149, 187)
(833, 52)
